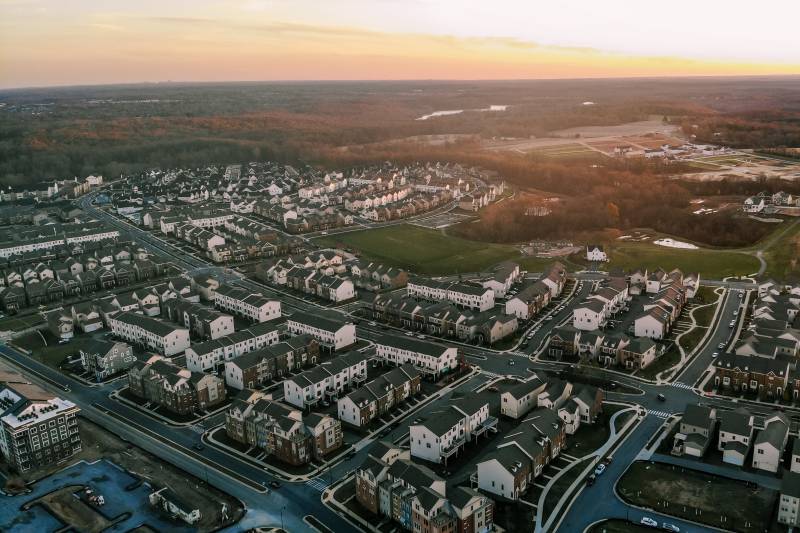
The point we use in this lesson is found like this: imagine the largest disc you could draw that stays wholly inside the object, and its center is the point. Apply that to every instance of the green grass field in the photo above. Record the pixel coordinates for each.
(423, 250)
(712, 264)
(783, 255)
(13, 323)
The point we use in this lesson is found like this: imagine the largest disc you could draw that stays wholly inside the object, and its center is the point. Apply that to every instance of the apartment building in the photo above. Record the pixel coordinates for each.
(38, 429)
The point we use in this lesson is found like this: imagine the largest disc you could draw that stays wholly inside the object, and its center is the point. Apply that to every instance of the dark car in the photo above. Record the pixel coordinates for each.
(591, 479)
(661, 398)
(275, 484)
(199, 447)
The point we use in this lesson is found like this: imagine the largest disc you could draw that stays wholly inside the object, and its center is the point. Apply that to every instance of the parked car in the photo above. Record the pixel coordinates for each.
(591, 479)
(721, 346)
(409, 334)
(666, 526)
(600, 469)
(647, 521)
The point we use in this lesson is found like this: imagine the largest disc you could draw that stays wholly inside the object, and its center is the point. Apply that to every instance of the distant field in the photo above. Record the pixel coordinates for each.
(709, 263)
(423, 250)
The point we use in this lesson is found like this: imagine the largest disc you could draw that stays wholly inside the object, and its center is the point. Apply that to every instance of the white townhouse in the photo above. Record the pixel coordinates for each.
(461, 294)
(770, 443)
(517, 400)
(439, 437)
(337, 289)
(326, 381)
(505, 274)
(428, 357)
(427, 289)
(250, 305)
(735, 435)
(331, 331)
(208, 355)
(471, 296)
(654, 324)
(162, 337)
(789, 504)
(445, 432)
(590, 315)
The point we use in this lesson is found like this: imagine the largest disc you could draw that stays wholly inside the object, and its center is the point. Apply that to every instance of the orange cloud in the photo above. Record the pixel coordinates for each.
(122, 48)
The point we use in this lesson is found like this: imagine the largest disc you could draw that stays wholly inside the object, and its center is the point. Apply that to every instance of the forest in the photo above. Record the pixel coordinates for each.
(58, 133)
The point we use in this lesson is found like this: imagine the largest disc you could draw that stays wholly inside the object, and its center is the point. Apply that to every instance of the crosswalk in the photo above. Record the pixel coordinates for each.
(318, 484)
(659, 414)
(680, 385)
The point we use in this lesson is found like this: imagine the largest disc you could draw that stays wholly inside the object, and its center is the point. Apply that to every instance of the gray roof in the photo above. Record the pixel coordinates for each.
(697, 416)
(790, 484)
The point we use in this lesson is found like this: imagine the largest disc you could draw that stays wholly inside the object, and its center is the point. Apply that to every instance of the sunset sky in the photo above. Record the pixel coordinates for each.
(68, 42)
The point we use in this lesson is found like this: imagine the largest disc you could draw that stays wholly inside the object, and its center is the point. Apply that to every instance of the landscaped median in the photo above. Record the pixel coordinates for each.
(698, 497)
(562, 490)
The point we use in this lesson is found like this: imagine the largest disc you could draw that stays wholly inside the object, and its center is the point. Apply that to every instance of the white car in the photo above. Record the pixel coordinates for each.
(666, 526)
(647, 521)
(373, 324)
(600, 469)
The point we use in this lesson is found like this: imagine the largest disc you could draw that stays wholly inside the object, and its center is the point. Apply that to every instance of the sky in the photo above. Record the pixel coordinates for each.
(78, 42)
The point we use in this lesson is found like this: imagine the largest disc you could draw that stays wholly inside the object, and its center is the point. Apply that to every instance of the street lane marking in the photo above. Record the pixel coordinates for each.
(317, 484)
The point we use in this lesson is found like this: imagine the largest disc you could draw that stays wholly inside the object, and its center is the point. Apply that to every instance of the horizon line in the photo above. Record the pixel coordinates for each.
(396, 80)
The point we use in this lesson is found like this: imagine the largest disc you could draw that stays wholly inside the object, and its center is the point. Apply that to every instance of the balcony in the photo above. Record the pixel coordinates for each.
(490, 424)
(453, 448)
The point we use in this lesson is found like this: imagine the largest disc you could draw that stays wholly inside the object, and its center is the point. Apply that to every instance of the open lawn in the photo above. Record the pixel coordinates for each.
(713, 264)
(423, 250)
(783, 255)
(13, 323)
(717, 501)
(46, 349)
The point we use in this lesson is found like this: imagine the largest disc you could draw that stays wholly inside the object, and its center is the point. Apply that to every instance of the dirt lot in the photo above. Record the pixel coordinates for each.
(621, 130)
(680, 492)
(71, 510)
(101, 444)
